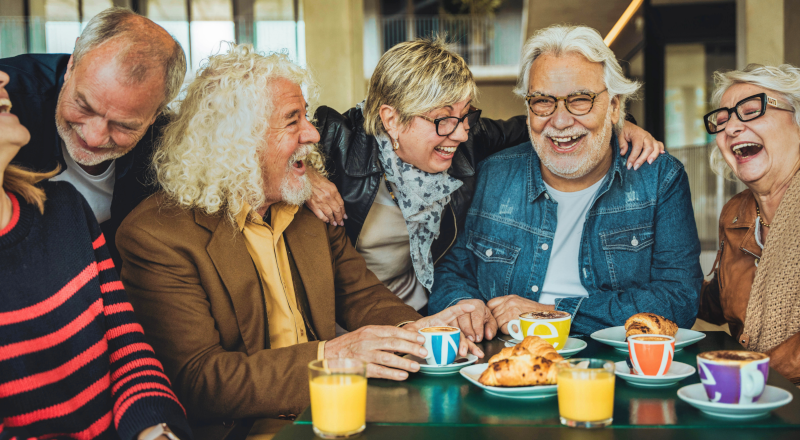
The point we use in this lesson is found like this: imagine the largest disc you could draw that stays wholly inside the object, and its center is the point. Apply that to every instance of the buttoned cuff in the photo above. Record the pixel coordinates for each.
(321, 350)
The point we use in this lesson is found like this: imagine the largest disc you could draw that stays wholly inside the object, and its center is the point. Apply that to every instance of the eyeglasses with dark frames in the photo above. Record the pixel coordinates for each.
(447, 125)
(747, 109)
(578, 103)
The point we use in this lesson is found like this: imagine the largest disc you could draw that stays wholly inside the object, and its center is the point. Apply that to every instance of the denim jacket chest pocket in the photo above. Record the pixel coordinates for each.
(628, 254)
(494, 263)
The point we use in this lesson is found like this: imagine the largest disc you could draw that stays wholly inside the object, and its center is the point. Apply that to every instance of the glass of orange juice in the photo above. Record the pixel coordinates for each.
(338, 397)
(586, 392)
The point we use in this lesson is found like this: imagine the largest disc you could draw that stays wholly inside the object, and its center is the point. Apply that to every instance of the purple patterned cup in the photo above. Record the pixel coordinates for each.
(731, 376)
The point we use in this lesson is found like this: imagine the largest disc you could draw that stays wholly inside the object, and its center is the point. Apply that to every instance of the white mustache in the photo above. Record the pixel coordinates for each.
(301, 153)
(569, 132)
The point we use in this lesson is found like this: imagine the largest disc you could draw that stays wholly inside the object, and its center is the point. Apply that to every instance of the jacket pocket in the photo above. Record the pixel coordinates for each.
(492, 250)
(628, 254)
(632, 239)
(494, 263)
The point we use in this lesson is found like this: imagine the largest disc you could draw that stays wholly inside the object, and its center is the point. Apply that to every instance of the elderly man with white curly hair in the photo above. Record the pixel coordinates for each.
(561, 223)
(237, 286)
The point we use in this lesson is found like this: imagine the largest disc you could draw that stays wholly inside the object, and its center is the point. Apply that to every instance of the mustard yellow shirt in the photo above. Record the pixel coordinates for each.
(267, 248)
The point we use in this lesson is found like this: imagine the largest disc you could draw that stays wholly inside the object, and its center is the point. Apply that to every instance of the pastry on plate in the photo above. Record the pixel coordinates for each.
(649, 324)
(531, 362)
(518, 371)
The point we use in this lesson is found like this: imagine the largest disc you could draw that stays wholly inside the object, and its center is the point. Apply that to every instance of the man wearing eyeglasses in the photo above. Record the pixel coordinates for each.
(561, 223)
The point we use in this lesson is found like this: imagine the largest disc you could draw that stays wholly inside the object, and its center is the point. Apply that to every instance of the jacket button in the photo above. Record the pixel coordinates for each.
(228, 423)
(547, 196)
(634, 242)
(545, 247)
(489, 252)
(291, 417)
(535, 289)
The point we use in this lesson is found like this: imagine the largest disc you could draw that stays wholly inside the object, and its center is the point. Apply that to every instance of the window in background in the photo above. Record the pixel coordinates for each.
(211, 23)
(685, 95)
(488, 35)
(62, 25)
(173, 16)
(279, 27)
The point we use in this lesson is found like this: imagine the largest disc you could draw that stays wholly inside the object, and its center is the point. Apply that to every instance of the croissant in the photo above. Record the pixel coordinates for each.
(531, 344)
(649, 324)
(520, 370)
(540, 347)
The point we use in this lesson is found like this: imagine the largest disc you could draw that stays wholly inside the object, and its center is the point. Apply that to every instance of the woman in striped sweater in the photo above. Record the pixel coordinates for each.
(73, 360)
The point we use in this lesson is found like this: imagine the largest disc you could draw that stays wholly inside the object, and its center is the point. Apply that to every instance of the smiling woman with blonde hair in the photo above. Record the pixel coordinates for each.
(756, 284)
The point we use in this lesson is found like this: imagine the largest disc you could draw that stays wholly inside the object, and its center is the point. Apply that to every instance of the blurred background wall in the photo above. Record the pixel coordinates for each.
(672, 46)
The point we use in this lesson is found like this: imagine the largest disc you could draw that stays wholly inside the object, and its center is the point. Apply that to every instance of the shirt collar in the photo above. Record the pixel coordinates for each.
(536, 182)
(282, 215)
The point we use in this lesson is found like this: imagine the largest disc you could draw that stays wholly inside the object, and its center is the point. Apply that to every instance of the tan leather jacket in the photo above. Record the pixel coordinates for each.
(724, 299)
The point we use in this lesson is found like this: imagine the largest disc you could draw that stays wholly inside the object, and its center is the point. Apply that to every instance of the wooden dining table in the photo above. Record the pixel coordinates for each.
(450, 407)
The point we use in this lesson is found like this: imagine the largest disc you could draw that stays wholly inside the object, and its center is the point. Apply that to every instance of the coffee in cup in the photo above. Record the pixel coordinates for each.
(731, 376)
(439, 329)
(550, 325)
(441, 343)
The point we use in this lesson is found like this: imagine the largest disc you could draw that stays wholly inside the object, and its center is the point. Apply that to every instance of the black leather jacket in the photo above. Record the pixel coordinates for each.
(352, 159)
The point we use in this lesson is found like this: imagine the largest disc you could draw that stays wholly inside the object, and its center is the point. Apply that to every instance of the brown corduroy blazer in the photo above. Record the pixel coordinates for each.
(197, 293)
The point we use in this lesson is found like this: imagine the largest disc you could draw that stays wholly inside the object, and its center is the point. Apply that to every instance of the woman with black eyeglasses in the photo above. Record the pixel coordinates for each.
(404, 162)
(756, 284)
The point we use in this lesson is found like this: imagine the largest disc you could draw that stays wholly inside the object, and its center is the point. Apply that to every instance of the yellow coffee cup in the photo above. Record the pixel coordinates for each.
(552, 326)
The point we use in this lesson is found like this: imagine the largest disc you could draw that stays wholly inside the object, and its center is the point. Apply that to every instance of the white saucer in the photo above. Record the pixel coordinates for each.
(442, 370)
(572, 346)
(772, 398)
(473, 373)
(677, 372)
(615, 337)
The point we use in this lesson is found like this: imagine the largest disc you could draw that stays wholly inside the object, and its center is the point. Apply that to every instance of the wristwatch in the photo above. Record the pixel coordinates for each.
(156, 431)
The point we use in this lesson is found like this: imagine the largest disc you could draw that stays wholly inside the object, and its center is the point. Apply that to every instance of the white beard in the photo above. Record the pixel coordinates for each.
(560, 165)
(85, 157)
(291, 194)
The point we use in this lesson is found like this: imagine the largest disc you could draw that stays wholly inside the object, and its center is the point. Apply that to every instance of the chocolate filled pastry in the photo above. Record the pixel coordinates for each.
(518, 371)
(649, 324)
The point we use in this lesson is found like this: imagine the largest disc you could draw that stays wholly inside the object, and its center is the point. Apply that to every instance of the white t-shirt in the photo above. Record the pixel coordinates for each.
(563, 278)
(97, 190)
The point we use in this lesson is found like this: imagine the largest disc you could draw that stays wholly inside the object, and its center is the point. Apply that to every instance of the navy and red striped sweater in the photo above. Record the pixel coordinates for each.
(73, 360)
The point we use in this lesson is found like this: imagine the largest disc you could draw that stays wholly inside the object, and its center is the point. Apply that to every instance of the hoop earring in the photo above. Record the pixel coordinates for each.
(395, 145)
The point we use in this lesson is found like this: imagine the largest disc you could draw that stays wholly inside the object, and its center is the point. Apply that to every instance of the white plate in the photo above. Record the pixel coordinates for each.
(473, 373)
(615, 337)
(772, 398)
(442, 370)
(572, 346)
(677, 372)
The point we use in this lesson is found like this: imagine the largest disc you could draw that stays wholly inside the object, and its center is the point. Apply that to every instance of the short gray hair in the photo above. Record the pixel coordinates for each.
(562, 39)
(784, 80)
(145, 50)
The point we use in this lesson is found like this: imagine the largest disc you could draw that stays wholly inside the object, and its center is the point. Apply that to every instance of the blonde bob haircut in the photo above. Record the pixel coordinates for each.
(783, 80)
(414, 78)
(559, 40)
(208, 156)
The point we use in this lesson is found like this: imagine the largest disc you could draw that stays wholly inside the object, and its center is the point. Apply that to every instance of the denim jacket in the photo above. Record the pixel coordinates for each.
(639, 248)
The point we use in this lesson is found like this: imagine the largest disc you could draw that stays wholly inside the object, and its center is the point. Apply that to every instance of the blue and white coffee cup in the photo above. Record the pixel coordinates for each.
(442, 344)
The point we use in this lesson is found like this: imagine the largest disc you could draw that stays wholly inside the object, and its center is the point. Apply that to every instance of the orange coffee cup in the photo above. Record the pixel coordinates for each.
(651, 355)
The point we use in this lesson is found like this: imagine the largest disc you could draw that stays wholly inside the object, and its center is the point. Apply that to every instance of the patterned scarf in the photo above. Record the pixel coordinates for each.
(773, 310)
(422, 197)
